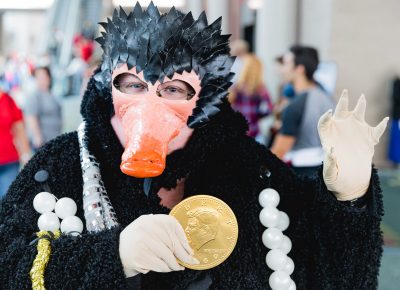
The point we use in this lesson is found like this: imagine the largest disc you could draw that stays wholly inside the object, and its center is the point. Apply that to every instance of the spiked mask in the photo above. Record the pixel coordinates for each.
(158, 49)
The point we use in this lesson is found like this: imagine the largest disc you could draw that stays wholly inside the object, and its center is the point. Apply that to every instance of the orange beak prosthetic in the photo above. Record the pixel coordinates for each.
(150, 119)
(148, 137)
(169, 73)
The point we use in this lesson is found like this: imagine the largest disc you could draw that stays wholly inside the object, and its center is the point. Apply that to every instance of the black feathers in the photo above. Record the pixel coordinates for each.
(161, 45)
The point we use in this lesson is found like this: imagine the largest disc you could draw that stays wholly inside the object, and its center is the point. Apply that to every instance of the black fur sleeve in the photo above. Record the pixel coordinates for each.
(335, 246)
(87, 262)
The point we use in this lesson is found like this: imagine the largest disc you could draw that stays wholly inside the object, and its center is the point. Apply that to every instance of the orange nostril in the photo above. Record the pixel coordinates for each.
(143, 167)
(144, 156)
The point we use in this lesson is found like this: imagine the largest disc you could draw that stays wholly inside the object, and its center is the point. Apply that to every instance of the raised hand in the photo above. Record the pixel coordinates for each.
(349, 143)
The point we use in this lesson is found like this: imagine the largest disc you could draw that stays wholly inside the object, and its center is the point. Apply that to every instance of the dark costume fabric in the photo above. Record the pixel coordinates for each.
(335, 246)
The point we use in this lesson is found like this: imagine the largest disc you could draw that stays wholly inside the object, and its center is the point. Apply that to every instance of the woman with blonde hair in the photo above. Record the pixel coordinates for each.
(249, 95)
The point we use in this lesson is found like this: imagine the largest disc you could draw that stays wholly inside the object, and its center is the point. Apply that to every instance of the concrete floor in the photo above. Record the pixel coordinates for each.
(389, 278)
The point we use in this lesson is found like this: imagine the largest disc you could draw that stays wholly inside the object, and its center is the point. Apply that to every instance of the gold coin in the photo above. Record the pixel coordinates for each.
(211, 228)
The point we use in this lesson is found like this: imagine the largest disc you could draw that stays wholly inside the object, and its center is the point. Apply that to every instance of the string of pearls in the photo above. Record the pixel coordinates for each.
(53, 209)
(276, 222)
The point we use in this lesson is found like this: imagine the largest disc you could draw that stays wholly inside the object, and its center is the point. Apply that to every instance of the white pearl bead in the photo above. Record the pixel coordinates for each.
(292, 286)
(272, 238)
(279, 280)
(72, 224)
(269, 216)
(286, 245)
(269, 197)
(65, 207)
(44, 202)
(283, 221)
(289, 266)
(276, 259)
(48, 222)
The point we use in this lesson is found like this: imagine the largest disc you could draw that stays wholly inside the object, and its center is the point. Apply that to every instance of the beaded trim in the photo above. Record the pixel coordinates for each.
(99, 213)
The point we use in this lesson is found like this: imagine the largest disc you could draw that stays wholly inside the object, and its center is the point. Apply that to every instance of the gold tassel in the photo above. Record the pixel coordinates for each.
(42, 258)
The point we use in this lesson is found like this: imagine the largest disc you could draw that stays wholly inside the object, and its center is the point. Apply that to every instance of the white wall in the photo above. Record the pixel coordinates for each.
(275, 32)
(195, 6)
(22, 31)
(365, 43)
(316, 25)
(217, 8)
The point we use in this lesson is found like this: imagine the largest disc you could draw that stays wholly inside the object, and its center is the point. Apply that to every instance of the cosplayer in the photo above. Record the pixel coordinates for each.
(158, 129)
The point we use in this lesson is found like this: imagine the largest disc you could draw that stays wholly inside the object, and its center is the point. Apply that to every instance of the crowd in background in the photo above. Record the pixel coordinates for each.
(289, 126)
(31, 108)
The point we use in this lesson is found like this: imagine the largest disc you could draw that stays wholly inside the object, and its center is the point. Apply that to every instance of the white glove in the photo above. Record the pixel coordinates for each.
(152, 243)
(349, 143)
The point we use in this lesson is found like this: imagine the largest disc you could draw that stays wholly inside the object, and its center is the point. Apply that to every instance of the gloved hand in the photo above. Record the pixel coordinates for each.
(152, 243)
(349, 143)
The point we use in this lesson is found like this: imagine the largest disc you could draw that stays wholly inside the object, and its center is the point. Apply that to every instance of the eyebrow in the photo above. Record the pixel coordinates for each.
(136, 77)
(129, 74)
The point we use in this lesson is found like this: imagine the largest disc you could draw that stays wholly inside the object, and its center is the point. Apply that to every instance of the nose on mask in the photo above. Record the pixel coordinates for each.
(148, 128)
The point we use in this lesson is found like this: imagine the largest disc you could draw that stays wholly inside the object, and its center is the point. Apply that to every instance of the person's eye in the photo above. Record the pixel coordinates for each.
(135, 86)
(172, 90)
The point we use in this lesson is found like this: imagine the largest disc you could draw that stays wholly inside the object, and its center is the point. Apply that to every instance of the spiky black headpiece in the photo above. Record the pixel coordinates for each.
(161, 45)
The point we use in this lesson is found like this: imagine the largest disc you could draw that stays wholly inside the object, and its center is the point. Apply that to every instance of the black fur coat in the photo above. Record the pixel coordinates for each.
(334, 246)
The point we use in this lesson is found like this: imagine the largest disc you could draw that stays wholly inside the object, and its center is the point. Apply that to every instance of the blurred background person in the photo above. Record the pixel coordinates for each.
(43, 111)
(298, 142)
(240, 49)
(249, 95)
(286, 89)
(16, 77)
(285, 95)
(15, 149)
(83, 48)
(92, 65)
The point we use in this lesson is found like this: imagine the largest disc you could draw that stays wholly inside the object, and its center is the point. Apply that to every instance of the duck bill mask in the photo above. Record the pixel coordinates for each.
(151, 118)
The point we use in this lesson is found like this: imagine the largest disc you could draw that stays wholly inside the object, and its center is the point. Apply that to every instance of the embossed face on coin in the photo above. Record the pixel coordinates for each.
(202, 226)
(211, 228)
